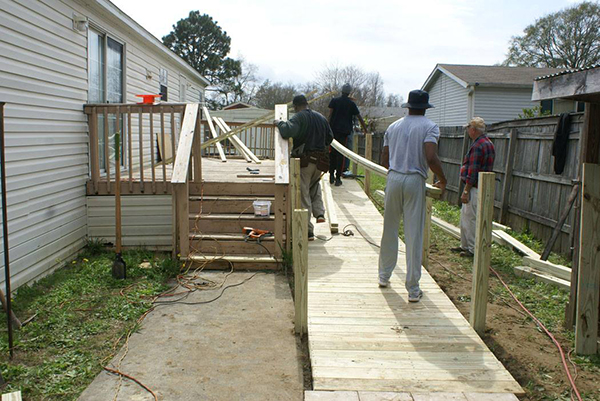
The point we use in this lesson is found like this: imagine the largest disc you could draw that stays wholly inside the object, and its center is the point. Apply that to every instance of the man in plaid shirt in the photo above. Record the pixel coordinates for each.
(480, 157)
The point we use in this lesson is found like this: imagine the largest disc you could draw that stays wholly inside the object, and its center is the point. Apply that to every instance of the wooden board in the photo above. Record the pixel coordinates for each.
(282, 150)
(363, 338)
(558, 271)
(588, 283)
(213, 133)
(527, 271)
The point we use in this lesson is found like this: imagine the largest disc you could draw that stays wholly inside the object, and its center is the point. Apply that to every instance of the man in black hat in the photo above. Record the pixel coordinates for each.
(342, 110)
(410, 150)
(312, 136)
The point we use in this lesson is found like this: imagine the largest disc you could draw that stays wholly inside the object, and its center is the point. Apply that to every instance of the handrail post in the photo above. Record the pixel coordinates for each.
(368, 156)
(94, 154)
(483, 243)
(300, 255)
(355, 150)
(282, 180)
(181, 193)
(196, 151)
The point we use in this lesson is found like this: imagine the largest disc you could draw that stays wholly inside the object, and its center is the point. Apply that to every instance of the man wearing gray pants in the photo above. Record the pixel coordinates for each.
(409, 150)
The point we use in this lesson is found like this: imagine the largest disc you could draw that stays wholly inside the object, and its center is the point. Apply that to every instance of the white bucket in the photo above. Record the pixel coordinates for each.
(262, 208)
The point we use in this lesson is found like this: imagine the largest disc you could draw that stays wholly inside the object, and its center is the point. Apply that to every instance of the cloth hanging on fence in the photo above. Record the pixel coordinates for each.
(561, 142)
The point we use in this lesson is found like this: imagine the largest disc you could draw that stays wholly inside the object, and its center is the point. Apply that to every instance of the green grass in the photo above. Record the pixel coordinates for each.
(80, 315)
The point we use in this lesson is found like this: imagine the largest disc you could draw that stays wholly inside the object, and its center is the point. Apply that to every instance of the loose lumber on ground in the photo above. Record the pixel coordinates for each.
(15, 396)
(534, 267)
(527, 271)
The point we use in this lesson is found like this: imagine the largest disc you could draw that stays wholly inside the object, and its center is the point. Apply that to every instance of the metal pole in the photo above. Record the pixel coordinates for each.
(5, 234)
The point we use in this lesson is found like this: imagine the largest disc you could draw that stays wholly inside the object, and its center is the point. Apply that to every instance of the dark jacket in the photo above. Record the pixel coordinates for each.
(310, 131)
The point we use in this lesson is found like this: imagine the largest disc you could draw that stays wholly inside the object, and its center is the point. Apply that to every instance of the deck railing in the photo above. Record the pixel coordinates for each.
(149, 140)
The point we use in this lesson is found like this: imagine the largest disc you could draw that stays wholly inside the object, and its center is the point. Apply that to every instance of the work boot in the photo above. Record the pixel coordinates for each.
(338, 182)
(331, 178)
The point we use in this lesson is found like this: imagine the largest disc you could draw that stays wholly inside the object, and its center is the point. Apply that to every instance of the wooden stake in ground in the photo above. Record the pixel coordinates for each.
(483, 243)
(119, 269)
(588, 283)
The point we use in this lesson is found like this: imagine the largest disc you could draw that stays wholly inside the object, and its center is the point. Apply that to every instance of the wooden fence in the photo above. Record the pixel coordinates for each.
(529, 195)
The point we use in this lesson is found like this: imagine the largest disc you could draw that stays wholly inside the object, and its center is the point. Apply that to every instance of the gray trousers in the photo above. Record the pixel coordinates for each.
(404, 199)
(468, 217)
(310, 190)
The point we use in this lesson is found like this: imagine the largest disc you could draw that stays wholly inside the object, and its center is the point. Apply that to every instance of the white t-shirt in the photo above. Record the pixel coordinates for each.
(406, 139)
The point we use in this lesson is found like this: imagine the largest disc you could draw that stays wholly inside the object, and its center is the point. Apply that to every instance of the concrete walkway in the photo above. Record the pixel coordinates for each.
(240, 347)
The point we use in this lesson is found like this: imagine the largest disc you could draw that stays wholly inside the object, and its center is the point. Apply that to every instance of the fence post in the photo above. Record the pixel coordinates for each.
(355, 150)
(368, 156)
(512, 146)
(300, 255)
(588, 282)
(427, 226)
(483, 242)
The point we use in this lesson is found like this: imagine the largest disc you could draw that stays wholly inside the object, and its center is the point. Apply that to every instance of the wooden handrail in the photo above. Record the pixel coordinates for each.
(184, 150)
(432, 191)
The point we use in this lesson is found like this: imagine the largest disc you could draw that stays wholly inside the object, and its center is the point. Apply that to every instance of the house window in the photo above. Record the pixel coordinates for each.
(547, 106)
(163, 80)
(580, 107)
(105, 85)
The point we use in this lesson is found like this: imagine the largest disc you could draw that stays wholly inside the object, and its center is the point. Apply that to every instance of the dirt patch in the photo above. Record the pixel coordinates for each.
(525, 351)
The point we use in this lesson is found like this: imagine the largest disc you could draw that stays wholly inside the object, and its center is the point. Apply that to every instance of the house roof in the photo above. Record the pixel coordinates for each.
(238, 105)
(109, 8)
(582, 85)
(489, 75)
(591, 67)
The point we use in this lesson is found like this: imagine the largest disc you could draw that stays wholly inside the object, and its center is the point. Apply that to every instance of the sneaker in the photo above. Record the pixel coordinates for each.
(320, 219)
(384, 283)
(457, 249)
(311, 236)
(338, 182)
(466, 254)
(331, 178)
(415, 297)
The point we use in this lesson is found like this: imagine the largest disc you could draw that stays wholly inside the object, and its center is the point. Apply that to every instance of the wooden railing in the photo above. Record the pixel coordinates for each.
(259, 139)
(149, 141)
(375, 168)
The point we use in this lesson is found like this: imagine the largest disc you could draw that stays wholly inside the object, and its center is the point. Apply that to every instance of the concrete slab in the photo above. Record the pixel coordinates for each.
(331, 396)
(239, 347)
(383, 396)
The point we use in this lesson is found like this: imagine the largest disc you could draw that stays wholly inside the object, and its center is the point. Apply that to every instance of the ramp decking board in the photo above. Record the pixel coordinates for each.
(363, 338)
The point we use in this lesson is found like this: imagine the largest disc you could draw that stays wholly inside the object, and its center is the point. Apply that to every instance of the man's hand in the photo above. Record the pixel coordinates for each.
(441, 184)
(465, 198)
(276, 122)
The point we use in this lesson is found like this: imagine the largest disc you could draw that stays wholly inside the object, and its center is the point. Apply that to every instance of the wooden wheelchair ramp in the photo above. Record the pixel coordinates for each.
(366, 340)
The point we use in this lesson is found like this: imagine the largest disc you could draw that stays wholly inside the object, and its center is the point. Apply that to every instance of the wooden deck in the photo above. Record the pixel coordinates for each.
(213, 170)
(366, 339)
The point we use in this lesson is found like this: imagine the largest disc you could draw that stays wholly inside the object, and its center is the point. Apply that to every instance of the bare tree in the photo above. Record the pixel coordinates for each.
(569, 38)
(269, 94)
(241, 88)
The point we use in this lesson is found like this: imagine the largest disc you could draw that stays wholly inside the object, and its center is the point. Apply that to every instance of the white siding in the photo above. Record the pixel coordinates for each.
(44, 81)
(450, 101)
(501, 104)
(146, 220)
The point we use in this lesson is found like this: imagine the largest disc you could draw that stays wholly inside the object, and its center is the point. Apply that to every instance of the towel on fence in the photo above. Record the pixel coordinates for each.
(561, 141)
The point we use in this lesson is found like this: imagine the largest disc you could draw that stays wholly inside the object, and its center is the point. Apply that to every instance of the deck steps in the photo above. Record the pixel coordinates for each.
(216, 231)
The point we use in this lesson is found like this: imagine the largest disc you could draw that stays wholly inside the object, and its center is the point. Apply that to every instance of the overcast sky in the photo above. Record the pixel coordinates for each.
(402, 40)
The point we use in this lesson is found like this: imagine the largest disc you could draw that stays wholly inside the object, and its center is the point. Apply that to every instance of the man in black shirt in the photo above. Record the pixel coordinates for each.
(342, 110)
(312, 136)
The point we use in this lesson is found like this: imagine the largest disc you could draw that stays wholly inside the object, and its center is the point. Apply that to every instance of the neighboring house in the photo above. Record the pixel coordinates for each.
(495, 93)
(380, 118)
(56, 56)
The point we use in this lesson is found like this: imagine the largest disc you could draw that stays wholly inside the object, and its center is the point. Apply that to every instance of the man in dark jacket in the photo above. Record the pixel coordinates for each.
(342, 110)
(312, 135)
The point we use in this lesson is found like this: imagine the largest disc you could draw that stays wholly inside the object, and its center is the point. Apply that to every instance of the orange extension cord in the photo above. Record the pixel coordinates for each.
(540, 324)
